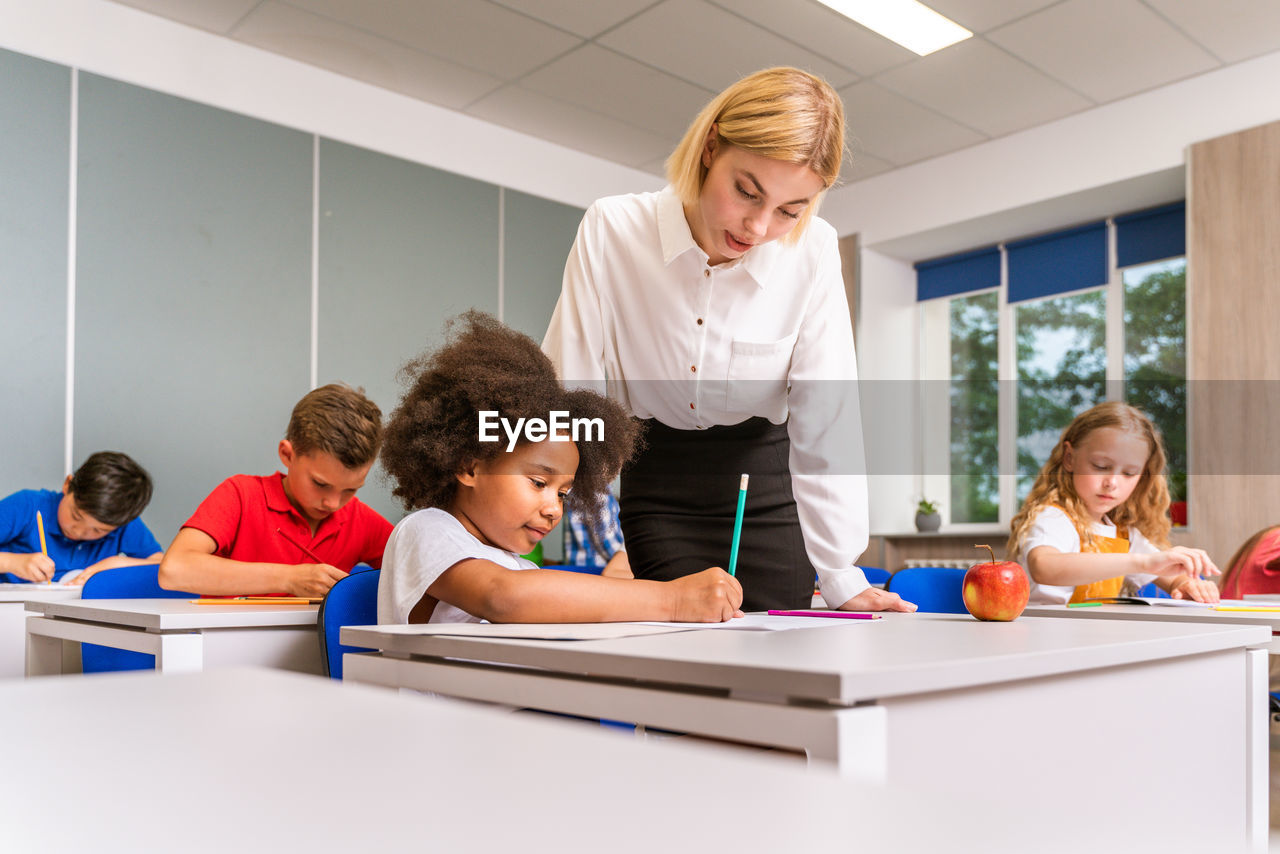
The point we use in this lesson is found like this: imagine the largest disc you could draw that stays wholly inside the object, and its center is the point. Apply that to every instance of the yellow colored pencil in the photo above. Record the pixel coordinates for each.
(44, 547)
(1242, 608)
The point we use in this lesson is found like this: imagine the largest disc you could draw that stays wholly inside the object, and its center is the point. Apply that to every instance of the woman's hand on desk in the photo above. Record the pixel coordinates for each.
(35, 567)
(875, 599)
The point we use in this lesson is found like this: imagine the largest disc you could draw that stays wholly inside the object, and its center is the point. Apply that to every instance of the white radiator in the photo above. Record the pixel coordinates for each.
(949, 562)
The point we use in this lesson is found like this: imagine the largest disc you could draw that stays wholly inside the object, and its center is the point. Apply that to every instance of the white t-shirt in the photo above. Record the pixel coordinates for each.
(644, 318)
(1052, 527)
(420, 549)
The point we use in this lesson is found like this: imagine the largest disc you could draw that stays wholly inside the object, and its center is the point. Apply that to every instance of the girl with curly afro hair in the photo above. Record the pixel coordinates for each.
(478, 503)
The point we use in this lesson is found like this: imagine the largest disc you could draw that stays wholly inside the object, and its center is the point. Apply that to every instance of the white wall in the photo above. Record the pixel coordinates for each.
(1111, 159)
(133, 46)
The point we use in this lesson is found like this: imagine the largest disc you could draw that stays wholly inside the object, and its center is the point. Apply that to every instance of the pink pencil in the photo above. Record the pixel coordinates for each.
(843, 615)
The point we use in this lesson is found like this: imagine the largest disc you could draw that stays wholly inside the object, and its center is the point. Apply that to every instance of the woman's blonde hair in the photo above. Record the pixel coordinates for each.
(782, 113)
(1147, 509)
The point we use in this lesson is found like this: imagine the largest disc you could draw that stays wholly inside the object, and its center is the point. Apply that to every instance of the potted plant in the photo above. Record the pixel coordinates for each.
(927, 516)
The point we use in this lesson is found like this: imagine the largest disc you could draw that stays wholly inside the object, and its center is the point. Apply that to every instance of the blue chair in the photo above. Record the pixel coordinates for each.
(934, 589)
(351, 601)
(875, 575)
(126, 582)
(585, 570)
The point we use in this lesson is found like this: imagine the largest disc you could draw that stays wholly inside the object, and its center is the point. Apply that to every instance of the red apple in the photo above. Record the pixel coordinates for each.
(996, 590)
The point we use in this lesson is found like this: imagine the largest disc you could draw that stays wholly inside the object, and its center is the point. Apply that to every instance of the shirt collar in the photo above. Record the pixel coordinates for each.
(677, 239)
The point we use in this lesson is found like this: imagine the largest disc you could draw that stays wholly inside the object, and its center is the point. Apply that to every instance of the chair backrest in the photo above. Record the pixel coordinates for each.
(126, 582)
(352, 601)
(934, 589)
(584, 570)
(875, 575)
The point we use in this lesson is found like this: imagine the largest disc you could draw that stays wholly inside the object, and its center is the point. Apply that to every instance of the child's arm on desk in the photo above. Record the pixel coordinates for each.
(113, 562)
(190, 564)
(1050, 566)
(1190, 587)
(502, 595)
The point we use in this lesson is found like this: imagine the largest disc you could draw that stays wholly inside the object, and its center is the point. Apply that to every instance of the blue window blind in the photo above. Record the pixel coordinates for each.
(1151, 235)
(958, 274)
(1059, 262)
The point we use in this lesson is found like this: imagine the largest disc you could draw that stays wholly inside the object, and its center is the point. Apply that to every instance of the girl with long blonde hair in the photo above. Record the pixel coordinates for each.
(1096, 523)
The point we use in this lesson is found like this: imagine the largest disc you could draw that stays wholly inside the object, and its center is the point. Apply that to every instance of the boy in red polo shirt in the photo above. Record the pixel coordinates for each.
(294, 533)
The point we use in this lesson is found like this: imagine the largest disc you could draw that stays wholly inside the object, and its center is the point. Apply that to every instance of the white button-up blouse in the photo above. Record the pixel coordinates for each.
(644, 318)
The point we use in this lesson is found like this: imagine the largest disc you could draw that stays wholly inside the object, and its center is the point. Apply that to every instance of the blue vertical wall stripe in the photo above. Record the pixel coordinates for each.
(1059, 262)
(1151, 235)
(958, 274)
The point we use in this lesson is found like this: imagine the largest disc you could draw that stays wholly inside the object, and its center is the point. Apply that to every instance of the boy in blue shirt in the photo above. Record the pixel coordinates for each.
(91, 525)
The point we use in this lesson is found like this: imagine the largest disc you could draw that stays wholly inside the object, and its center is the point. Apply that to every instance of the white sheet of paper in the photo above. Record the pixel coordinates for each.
(1177, 603)
(763, 623)
(538, 631)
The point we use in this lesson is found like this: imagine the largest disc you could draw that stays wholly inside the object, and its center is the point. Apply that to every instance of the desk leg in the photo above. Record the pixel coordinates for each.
(180, 653)
(1257, 747)
(44, 654)
(855, 740)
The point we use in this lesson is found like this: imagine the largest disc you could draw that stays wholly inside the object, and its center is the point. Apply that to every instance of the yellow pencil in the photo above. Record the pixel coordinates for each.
(1241, 608)
(261, 600)
(44, 548)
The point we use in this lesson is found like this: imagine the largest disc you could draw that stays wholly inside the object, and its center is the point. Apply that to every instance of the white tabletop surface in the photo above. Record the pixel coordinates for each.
(176, 614)
(251, 760)
(10, 592)
(1165, 613)
(843, 661)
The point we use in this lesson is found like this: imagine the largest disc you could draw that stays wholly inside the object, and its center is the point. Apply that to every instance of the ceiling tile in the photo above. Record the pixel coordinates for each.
(216, 15)
(1230, 29)
(859, 166)
(979, 16)
(609, 83)
(476, 34)
(569, 125)
(888, 126)
(983, 87)
(1105, 49)
(354, 53)
(710, 47)
(823, 31)
(585, 19)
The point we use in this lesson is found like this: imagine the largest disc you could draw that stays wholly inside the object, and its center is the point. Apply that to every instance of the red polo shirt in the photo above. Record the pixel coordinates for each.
(243, 513)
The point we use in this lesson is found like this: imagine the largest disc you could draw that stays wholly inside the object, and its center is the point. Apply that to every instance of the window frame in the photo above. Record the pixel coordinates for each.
(933, 323)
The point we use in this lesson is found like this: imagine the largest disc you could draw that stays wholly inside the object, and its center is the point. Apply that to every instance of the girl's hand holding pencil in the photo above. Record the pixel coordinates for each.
(710, 596)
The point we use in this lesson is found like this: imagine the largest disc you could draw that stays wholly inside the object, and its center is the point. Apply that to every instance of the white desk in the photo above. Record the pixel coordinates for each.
(179, 633)
(133, 763)
(932, 700)
(13, 622)
(1269, 620)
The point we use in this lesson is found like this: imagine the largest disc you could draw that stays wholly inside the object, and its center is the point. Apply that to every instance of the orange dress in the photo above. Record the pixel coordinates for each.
(1117, 545)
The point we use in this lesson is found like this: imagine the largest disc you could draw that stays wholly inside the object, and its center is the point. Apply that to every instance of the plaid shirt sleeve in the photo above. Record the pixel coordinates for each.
(578, 548)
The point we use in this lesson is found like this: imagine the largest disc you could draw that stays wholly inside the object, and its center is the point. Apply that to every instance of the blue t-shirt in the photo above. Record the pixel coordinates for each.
(18, 533)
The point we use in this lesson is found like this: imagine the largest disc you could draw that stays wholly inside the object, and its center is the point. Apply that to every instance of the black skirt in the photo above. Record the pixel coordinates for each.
(679, 498)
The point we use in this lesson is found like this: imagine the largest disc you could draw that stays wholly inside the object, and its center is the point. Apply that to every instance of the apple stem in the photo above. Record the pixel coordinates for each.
(989, 550)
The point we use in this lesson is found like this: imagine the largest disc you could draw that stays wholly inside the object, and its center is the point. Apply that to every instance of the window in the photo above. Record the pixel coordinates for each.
(1079, 332)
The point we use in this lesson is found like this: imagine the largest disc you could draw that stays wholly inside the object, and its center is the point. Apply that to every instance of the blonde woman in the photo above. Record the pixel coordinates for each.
(715, 310)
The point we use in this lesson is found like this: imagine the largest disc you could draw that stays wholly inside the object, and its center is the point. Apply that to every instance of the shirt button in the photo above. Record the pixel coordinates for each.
(699, 426)
(699, 321)
(693, 368)
(706, 273)
(691, 406)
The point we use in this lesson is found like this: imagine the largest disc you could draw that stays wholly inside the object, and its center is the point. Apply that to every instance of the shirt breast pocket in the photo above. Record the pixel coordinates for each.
(757, 382)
